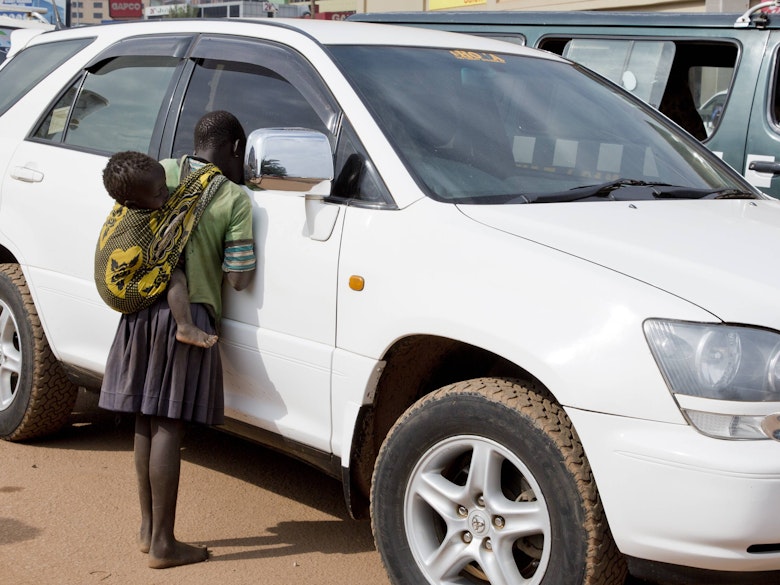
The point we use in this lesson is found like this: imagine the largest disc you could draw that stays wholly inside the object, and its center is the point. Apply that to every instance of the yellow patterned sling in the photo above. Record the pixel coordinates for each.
(138, 249)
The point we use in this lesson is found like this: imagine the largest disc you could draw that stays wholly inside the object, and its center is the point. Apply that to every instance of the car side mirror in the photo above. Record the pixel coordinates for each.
(289, 159)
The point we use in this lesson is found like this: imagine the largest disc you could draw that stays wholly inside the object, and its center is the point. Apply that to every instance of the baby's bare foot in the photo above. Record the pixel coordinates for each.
(195, 336)
(176, 555)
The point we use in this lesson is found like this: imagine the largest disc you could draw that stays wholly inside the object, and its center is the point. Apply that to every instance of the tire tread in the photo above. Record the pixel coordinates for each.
(605, 564)
(52, 395)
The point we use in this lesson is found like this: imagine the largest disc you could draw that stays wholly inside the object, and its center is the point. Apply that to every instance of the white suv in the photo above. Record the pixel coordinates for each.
(522, 316)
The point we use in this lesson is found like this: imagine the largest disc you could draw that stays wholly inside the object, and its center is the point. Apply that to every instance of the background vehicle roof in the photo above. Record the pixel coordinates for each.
(581, 18)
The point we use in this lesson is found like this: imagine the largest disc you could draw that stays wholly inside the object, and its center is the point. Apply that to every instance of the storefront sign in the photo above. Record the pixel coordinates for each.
(121, 9)
(447, 4)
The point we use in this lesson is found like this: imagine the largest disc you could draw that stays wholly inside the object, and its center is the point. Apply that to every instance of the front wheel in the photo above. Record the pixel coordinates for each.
(485, 482)
(35, 395)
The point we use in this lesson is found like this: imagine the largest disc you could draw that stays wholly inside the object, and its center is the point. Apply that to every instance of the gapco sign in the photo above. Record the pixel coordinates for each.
(121, 9)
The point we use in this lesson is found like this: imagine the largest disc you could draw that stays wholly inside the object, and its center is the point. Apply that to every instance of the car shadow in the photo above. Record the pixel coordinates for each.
(93, 429)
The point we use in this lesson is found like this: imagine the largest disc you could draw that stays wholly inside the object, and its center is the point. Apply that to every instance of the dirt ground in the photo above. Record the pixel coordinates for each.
(69, 513)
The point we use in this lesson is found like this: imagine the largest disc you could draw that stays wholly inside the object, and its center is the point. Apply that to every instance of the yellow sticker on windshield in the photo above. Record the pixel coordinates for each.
(474, 56)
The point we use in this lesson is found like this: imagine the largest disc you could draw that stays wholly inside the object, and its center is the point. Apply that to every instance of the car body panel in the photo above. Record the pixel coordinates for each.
(661, 244)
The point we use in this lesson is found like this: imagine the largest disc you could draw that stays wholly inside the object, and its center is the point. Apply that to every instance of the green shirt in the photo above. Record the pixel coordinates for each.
(221, 242)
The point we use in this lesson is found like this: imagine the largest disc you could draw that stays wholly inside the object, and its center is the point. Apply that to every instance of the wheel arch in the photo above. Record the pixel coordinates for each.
(6, 256)
(415, 366)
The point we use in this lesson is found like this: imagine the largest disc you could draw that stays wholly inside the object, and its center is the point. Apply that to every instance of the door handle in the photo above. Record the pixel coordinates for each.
(764, 166)
(26, 174)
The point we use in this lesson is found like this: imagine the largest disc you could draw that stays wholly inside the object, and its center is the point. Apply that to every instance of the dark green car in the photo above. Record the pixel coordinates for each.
(716, 75)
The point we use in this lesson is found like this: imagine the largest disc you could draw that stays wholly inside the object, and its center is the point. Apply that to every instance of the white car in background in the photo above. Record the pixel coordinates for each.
(529, 323)
(26, 18)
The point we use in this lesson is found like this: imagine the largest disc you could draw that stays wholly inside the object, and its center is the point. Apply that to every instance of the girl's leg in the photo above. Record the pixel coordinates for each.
(164, 467)
(179, 301)
(141, 450)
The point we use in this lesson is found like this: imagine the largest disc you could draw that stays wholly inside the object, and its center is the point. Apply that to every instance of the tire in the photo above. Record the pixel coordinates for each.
(485, 481)
(36, 397)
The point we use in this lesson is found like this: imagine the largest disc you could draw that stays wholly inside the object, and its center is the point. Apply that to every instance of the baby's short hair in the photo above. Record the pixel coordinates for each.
(123, 171)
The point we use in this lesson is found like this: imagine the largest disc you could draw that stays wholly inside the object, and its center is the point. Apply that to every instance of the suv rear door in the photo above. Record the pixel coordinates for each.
(53, 184)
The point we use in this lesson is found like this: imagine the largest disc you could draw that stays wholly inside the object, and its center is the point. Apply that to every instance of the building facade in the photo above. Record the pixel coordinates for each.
(88, 12)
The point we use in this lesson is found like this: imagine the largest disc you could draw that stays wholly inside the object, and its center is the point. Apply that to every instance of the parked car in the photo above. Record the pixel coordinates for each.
(674, 61)
(535, 336)
(9, 25)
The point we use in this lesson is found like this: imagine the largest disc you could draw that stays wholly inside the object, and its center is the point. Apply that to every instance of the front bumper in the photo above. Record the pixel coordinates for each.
(674, 496)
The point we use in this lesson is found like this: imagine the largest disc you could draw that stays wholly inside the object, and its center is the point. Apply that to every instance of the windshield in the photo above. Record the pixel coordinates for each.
(486, 128)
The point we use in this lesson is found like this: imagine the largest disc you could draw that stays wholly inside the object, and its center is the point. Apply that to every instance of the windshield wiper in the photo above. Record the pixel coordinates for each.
(650, 191)
(602, 190)
(731, 194)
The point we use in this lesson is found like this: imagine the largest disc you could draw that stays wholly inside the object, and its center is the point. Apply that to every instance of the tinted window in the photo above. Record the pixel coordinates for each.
(489, 128)
(263, 85)
(257, 96)
(268, 86)
(356, 178)
(677, 77)
(115, 107)
(642, 67)
(31, 65)
(774, 98)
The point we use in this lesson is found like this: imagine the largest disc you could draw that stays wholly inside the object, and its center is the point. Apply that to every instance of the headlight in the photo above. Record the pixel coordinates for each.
(723, 363)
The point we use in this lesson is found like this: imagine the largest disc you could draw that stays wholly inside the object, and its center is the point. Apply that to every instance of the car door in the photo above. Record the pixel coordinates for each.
(278, 336)
(762, 152)
(54, 199)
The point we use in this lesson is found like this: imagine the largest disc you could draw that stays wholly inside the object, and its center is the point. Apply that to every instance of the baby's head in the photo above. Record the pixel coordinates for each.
(134, 179)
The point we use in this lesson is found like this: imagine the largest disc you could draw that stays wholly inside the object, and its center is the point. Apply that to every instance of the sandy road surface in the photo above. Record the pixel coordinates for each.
(69, 513)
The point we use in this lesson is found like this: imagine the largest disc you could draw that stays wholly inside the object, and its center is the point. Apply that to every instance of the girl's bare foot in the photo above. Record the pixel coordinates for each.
(176, 555)
(145, 535)
(144, 542)
(195, 336)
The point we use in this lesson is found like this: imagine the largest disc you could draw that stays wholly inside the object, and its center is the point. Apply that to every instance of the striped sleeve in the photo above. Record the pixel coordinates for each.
(239, 256)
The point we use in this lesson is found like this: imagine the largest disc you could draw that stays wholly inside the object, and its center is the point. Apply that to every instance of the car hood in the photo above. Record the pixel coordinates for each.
(714, 253)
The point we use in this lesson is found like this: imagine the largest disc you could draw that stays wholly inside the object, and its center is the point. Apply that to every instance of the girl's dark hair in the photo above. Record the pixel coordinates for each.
(123, 172)
(216, 129)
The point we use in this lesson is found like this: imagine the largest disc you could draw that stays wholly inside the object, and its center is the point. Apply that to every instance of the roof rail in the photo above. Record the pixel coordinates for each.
(761, 19)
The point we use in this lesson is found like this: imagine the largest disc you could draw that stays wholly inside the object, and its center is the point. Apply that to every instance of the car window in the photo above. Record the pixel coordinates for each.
(263, 85)
(677, 77)
(268, 86)
(356, 177)
(485, 128)
(31, 65)
(642, 67)
(711, 88)
(113, 107)
(774, 99)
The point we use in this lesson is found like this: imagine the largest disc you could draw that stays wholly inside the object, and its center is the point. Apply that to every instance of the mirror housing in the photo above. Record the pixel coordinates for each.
(289, 159)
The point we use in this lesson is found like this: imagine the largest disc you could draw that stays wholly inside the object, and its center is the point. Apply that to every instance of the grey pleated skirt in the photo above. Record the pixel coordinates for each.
(149, 372)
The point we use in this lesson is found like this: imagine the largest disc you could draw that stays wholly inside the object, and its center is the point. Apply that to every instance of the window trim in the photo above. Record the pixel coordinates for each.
(142, 47)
